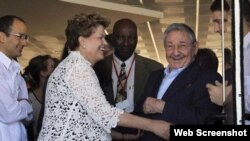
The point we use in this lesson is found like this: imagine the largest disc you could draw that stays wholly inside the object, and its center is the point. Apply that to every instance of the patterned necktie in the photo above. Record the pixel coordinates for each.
(121, 85)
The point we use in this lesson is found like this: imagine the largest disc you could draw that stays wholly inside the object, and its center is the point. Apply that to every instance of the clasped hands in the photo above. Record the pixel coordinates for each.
(153, 105)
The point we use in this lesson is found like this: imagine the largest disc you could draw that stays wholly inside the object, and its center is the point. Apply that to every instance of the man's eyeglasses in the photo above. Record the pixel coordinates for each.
(21, 36)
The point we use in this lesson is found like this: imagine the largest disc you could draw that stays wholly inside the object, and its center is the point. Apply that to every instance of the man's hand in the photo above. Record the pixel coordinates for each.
(216, 94)
(153, 105)
(162, 129)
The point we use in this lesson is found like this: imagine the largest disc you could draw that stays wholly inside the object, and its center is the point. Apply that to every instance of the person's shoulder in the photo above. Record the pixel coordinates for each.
(148, 60)
(201, 71)
(209, 73)
(161, 70)
(156, 73)
(73, 62)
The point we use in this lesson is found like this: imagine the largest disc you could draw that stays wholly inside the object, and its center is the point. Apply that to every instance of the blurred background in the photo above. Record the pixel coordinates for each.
(47, 20)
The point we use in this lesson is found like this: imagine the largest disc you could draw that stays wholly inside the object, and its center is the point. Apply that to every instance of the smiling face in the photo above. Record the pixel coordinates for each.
(14, 44)
(92, 47)
(124, 39)
(179, 49)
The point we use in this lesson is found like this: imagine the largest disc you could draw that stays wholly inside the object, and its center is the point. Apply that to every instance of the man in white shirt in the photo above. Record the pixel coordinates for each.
(124, 41)
(14, 104)
(216, 91)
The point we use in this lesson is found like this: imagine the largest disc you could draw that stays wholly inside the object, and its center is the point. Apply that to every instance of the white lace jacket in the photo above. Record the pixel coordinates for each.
(75, 107)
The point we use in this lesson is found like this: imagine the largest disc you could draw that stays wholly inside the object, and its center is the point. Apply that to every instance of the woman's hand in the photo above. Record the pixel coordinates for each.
(161, 128)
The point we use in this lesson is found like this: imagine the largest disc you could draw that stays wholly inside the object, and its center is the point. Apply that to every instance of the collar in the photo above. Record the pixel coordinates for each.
(175, 71)
(167, 70)
(118, 62)
(246, 40)
(7, 62)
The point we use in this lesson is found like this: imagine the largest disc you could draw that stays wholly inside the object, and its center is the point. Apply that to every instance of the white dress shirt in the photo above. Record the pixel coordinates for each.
(128, 104)
(169, 77)
(12, 109)
(247, 74)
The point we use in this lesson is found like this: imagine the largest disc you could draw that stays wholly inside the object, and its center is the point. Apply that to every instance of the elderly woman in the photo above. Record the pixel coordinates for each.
(75, 107)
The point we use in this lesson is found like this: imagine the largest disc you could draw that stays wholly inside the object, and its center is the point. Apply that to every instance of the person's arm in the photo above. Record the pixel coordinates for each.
(11, 109)
(87, 90)
(85, 87)
(215, 92)
(153, 106)
(158, 127)
(23, 95)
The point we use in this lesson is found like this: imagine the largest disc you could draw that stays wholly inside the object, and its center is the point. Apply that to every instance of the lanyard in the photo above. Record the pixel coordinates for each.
(116, 72)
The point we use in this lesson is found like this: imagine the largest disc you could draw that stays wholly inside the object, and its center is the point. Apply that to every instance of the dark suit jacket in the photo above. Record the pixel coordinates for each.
(186, 100)
(143, 67)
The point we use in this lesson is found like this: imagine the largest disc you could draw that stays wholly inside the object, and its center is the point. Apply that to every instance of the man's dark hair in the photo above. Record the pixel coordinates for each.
(121, 22)
(207, 58)
(216, 6)
(32, 72)
(246, 10)
(6, 23)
